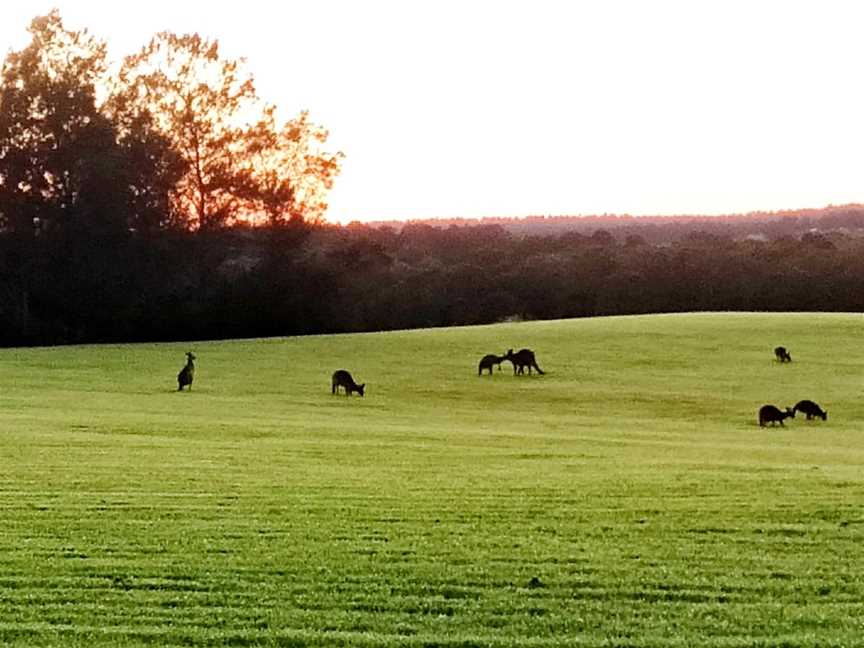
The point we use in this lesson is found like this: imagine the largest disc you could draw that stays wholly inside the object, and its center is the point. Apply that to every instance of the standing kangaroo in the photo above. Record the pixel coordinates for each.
(487, 361)
(771, 414)
(782, 354)
(342, 378)
(187, 373)
(521, 359)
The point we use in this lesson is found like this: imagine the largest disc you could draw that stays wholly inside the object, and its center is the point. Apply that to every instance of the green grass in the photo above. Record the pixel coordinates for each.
(626, 498)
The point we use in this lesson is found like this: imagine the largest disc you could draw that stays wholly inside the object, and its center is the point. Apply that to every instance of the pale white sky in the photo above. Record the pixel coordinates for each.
(502, 108)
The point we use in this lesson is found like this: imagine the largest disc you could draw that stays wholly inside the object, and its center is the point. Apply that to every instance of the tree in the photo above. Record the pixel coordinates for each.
(58, 155)
(288, 177)
(154, 168)
(71, 193)
(180, 88)
(237, 162)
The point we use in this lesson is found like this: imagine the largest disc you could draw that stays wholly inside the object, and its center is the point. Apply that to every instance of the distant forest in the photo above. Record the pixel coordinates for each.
(135, 205)
(243, 281)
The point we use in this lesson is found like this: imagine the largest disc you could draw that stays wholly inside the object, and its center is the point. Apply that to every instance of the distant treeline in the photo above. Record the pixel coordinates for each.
(89, 285)
(665, 229)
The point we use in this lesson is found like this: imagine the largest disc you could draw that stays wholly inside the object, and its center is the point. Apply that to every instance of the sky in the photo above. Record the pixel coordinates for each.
(475, 108)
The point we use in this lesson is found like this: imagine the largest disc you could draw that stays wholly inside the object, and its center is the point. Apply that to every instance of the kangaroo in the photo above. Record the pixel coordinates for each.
(782, 354)
(187, 373)
(521, 359)
(811, 409)
(487, 361)
(342, 378)
(772, 415)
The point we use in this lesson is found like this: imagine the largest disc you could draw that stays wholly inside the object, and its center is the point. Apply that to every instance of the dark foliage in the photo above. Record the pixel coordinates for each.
(87, 285)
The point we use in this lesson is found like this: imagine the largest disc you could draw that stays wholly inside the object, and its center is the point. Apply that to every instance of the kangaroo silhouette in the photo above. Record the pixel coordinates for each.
(487, 361)
(521, 359)
(771, 414)
(811, 409)
(782, 354)
(342, 378)
(187, 373)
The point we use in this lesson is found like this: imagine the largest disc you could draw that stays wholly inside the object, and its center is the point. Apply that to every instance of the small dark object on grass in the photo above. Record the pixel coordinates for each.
(341, 378)
(811, 409)
(187, 373)
(487, 361)
(782, 354)
(521, 359)
(771, 414)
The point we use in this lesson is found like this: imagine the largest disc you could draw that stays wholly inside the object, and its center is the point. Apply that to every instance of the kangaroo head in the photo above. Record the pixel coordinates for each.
(361, 389)
(790, 412)
(190, 355)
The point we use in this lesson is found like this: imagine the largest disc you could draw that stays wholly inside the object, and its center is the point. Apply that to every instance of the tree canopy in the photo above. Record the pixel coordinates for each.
(176, 138)
(58, 152)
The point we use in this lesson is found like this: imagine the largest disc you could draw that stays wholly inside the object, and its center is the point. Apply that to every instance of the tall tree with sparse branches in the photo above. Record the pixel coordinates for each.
(288, 175)
(240, 165)
(196, 100)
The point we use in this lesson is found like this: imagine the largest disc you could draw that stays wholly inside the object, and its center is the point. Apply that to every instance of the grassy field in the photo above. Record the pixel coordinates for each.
(626, 498)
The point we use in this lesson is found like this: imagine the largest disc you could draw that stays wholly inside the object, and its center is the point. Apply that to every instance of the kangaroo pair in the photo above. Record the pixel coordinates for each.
(772, 414)
(521, 359)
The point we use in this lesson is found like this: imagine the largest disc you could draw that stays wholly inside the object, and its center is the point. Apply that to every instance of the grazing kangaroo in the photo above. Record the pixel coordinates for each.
(487, 361)
(782, 354)
(772, 415)
(811, 409)
(187, 373)
(521, 359)
(342, 378)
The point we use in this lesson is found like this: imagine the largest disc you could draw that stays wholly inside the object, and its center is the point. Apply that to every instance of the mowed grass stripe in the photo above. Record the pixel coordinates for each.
(628, 497)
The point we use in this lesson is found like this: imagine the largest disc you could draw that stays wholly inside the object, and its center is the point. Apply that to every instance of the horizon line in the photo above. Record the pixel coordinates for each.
(606, 215)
